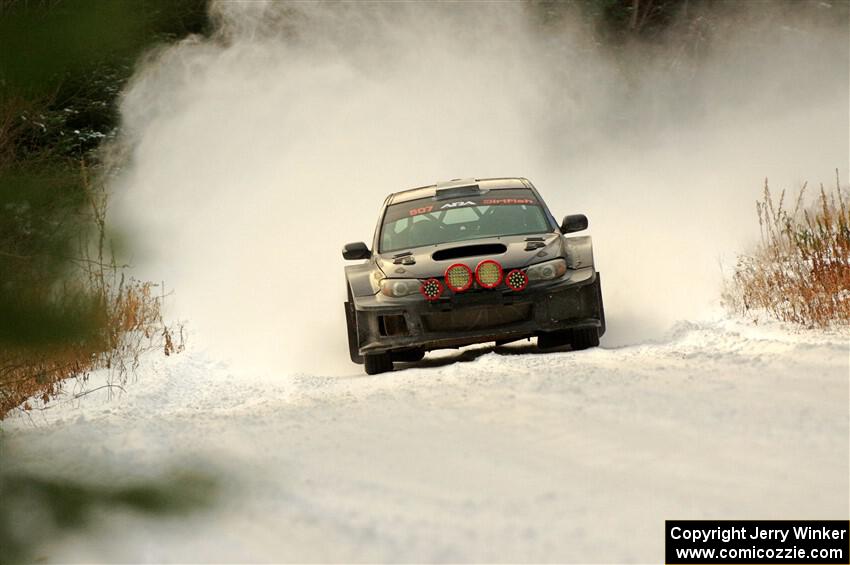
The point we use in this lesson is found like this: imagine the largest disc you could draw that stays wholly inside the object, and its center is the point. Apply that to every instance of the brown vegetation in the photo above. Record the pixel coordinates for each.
(126, 321)
(800, 271)
(66, 307)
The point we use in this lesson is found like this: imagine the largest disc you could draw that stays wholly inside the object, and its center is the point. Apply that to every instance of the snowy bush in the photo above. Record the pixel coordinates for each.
(800, 270)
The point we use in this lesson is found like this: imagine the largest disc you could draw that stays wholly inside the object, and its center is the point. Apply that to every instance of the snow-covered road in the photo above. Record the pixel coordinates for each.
(481, 455)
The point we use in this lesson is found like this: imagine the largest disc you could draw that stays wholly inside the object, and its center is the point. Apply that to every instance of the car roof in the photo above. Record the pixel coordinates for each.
(484, 184)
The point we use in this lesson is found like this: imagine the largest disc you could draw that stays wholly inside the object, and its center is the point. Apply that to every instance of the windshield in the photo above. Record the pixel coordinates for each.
(428, 221)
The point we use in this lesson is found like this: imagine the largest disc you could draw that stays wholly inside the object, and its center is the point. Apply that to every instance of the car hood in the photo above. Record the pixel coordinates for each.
(511, 252)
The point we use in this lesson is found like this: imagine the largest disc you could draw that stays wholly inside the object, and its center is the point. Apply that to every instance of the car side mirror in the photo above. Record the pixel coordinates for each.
(358, 250)
(573, 223)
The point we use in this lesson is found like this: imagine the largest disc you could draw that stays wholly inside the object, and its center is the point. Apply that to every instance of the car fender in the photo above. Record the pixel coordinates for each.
(360, 280)
(579, 252)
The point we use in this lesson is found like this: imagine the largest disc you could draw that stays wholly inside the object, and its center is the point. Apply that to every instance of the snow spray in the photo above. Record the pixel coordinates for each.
(249, 156)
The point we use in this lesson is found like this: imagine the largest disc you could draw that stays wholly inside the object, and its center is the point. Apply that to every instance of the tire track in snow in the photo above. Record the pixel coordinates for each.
(486, 455)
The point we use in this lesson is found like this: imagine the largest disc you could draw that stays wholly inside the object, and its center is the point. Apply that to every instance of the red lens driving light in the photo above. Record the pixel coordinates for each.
(516, 280)
(459, 277)
(488, 273)
(431, 289)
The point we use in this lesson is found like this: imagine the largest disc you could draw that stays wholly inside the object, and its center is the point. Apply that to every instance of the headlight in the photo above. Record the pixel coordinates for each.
(396, 288)
(547, 271)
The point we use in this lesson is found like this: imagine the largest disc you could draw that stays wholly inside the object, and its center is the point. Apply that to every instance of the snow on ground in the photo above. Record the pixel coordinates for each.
(479, 455)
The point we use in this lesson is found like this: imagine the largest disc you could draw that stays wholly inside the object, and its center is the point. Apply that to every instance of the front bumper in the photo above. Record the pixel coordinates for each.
(479, 316)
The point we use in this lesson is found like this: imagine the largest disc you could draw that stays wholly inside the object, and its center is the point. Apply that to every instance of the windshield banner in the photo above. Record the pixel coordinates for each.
(521, 197)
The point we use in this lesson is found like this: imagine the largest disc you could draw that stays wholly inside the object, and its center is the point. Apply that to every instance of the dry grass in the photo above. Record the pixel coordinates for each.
(133, 325)
(800, 271)
(128, 318)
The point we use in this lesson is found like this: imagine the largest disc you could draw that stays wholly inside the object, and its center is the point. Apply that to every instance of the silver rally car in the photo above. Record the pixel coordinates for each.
(470, 261)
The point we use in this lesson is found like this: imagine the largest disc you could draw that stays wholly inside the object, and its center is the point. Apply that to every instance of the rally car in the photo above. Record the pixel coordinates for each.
(470, 261)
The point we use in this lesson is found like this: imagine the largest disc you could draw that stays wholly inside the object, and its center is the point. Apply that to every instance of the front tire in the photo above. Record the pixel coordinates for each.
(553, 340)
(584, 338)
(378, 363)
(408, 356)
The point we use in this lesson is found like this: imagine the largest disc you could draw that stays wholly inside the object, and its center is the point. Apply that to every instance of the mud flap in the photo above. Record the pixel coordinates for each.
(601, 306)
(351, 323)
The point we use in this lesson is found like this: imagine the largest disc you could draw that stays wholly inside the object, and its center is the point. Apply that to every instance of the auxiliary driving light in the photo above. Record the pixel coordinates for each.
(488, 273)
(459, 277)
(431, 289)
(516, 280)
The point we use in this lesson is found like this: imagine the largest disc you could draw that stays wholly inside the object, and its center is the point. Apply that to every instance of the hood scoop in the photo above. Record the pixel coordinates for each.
(405, 258)
(469, 251)
(532, 243)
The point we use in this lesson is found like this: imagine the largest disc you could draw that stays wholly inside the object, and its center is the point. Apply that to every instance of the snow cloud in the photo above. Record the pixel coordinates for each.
(252, 155)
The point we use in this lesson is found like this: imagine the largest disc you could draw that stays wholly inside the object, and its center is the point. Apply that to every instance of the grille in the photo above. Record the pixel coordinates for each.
(477, 318)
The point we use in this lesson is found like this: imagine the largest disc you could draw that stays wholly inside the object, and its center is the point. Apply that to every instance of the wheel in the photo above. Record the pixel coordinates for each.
(408, 356)
(378, 363)
(584, 338)
(551, 340)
